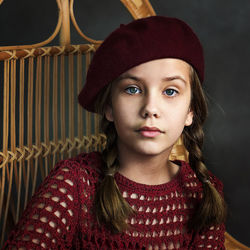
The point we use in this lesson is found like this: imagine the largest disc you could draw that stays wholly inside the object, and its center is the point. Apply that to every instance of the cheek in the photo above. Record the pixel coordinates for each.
(125, 116)
(180, 116)
(123, 108)
(122, 116)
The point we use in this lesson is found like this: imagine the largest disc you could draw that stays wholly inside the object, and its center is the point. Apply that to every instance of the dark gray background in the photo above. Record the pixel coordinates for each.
(224, 29)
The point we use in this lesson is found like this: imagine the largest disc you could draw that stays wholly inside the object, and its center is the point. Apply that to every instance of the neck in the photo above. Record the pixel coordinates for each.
(147, 169)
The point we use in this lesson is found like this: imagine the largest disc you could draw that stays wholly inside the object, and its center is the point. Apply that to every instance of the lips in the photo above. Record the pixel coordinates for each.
(149, 131)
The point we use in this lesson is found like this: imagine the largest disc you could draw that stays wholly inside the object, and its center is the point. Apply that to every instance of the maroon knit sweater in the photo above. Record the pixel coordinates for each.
(60, 214)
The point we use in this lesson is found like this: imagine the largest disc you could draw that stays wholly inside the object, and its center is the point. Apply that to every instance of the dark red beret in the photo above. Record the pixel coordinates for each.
(140, 41)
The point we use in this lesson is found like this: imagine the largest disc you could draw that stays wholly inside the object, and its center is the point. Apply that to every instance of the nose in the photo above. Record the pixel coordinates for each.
(150, 107)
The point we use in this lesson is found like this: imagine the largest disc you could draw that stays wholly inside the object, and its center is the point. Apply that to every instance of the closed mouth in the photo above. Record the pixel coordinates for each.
(149, 129)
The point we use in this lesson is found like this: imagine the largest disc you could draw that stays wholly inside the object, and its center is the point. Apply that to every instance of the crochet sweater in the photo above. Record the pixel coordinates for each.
(60, 214)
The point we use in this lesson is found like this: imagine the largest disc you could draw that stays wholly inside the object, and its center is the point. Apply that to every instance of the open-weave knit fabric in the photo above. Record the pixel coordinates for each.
(61, 216)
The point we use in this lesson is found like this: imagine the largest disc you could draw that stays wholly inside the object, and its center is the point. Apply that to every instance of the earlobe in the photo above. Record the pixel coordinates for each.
(189, 119)
(109, 113)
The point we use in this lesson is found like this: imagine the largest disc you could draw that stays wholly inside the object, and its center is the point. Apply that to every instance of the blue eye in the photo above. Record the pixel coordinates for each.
(132, 90)
(171, 92)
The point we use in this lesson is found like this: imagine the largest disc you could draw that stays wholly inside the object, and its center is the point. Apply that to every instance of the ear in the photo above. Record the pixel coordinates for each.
(189, 119)
(109, 113)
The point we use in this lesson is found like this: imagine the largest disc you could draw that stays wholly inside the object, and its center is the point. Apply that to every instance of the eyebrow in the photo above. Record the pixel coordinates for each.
(172, 78)
(128, 76)
(168, 78)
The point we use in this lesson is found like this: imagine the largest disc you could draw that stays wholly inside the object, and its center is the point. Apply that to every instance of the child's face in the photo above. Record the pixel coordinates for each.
(151, 106)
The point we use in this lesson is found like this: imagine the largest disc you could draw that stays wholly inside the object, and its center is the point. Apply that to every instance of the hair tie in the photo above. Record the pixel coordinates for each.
(207, 182)
(109, 174)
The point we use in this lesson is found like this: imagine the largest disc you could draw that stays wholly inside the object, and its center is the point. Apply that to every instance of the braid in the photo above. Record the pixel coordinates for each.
(212, 209)
(111, 208)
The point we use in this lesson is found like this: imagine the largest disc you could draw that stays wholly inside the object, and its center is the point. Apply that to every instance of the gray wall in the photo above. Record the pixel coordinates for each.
(224, 29)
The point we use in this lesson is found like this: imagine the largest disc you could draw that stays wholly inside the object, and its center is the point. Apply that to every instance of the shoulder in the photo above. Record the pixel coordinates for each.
(216, 182)
(85, 164)
(71, 173)
(83, 160)
(190, 179)
(91, 161)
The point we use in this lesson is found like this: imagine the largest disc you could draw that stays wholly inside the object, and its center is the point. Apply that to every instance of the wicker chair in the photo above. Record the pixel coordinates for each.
(33, 105)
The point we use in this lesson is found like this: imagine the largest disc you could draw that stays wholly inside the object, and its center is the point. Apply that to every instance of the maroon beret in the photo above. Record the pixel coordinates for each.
(138, 42)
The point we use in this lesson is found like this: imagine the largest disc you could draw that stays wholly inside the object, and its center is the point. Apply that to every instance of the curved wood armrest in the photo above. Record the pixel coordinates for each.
(139, 8)
(232, 244)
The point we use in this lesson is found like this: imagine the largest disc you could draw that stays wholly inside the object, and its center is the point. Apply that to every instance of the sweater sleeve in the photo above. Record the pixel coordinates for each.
(213, 237)
(50, 219)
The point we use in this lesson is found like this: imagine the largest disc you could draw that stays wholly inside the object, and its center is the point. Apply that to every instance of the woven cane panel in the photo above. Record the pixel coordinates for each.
(41, 121)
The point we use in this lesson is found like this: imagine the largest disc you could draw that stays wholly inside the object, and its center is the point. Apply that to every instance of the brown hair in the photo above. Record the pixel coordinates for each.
(112, 209)
(212, 209)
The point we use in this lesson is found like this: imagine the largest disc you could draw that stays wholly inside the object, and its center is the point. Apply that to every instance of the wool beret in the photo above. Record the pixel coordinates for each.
(138, 42)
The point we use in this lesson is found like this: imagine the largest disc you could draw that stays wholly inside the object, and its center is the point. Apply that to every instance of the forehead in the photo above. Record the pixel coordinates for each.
(161, 70)
(165, 67)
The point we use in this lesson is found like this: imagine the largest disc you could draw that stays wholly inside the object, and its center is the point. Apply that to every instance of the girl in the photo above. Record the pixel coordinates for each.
(145, 81)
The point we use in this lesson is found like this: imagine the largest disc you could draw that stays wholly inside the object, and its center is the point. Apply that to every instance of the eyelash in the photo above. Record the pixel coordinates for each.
(128, 90)
(175, 92)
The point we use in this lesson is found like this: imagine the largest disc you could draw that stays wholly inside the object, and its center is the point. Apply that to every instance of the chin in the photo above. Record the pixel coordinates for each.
(152, 150)
(147, 147)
